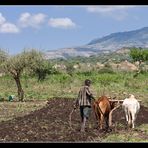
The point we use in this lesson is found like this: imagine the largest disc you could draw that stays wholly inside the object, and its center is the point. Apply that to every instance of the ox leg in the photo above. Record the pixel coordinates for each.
(133, 124)
(126, 116)
(97, 120)
(133, 120)
(107, 122)
(129, 119)
(101, 122)
(107, 128)
(97, 116)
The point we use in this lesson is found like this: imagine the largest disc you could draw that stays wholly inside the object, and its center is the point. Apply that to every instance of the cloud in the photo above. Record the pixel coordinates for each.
(63, 23)
(6, 27)
(31, 20)
(116, 12)
(2, 19)
(103, 9)
(9, 28)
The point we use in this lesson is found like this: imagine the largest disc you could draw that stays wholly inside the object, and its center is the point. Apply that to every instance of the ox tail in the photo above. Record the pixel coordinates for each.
(98, 112)
(105, 118)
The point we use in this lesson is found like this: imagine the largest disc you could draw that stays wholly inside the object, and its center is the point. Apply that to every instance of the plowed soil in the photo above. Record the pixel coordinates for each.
(51, 124)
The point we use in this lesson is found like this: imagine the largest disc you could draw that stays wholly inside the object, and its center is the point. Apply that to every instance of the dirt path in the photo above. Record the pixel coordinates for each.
(50, 124)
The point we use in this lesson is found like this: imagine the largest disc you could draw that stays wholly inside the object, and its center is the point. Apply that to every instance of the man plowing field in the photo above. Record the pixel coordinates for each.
(84, 102)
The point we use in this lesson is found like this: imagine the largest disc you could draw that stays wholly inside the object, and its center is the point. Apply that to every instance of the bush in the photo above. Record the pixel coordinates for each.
(1, 98)
(106, 70)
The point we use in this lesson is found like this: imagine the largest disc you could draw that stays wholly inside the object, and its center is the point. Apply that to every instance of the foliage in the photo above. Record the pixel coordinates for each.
(16, 64)
(69, 68)
(139, 54)
(42, 69)
(106, 70)
(3, 55)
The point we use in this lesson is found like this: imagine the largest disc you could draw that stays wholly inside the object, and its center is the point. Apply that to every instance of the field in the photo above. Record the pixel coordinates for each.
(51, 124)
(40, 118)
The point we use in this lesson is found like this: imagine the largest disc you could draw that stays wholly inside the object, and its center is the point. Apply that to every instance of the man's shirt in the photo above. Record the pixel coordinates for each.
(84, 97)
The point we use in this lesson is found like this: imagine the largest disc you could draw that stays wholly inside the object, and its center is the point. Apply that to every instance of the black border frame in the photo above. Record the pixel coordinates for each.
(73, 2)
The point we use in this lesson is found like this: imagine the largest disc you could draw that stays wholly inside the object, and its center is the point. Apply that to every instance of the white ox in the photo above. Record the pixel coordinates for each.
(131, 107)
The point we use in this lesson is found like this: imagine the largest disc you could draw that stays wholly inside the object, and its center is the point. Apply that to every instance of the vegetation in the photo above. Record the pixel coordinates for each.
(29, 69)
(42, 69)
(139, 55)
(16, 64)
(3, 56)
(64, 85)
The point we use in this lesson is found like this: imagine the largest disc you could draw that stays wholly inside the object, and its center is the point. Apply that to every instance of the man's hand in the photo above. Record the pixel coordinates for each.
(75, 107)
(92, 97)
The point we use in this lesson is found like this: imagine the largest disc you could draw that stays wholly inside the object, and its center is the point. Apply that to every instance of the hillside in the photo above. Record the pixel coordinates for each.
(105, 45)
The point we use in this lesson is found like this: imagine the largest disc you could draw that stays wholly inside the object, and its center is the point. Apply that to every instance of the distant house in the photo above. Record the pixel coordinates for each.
(123, 66)
(127, 66)
(99, 65)
(59, 66)
(76, 66)
(2, 74)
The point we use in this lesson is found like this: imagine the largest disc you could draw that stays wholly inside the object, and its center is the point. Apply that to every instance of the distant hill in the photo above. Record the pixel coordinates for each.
(107, 44)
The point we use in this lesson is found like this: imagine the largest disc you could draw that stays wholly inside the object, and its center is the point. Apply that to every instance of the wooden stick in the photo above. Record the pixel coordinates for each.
(116, 100)
(122, 100)
(70, 118)
(110, 114)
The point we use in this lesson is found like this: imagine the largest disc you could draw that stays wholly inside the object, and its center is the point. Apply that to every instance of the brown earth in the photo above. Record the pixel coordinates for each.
(51, 124)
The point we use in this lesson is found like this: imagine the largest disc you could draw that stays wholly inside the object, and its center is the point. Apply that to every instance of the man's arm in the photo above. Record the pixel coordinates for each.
(89, 93)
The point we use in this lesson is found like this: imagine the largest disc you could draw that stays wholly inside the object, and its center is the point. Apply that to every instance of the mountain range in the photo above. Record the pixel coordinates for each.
(107, 44)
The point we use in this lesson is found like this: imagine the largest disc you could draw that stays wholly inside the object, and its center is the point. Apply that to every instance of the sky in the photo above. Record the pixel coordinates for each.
(51, 27)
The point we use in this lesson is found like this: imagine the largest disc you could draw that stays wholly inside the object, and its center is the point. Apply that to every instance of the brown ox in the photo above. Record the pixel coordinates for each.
(102, 108)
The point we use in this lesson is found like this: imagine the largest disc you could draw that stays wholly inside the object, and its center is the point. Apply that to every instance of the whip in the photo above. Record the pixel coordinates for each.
(70, 116)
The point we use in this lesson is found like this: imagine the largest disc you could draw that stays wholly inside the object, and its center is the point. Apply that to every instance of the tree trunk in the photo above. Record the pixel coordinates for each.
(20, 90)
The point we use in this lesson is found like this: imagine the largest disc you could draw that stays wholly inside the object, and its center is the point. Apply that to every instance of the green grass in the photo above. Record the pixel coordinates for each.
(124, 137)
(62, 85)
(143, 128)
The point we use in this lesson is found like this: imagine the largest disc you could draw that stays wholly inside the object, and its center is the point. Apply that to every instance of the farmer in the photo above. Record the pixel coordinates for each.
(84, 102)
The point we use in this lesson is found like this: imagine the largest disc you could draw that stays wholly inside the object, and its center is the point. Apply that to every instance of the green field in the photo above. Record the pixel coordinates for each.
(118, 84)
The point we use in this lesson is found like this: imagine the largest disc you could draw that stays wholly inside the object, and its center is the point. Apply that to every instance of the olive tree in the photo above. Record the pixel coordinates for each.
(139, 55)
(70, 69)
(15, 65)
(42, 69)
(3, 56)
